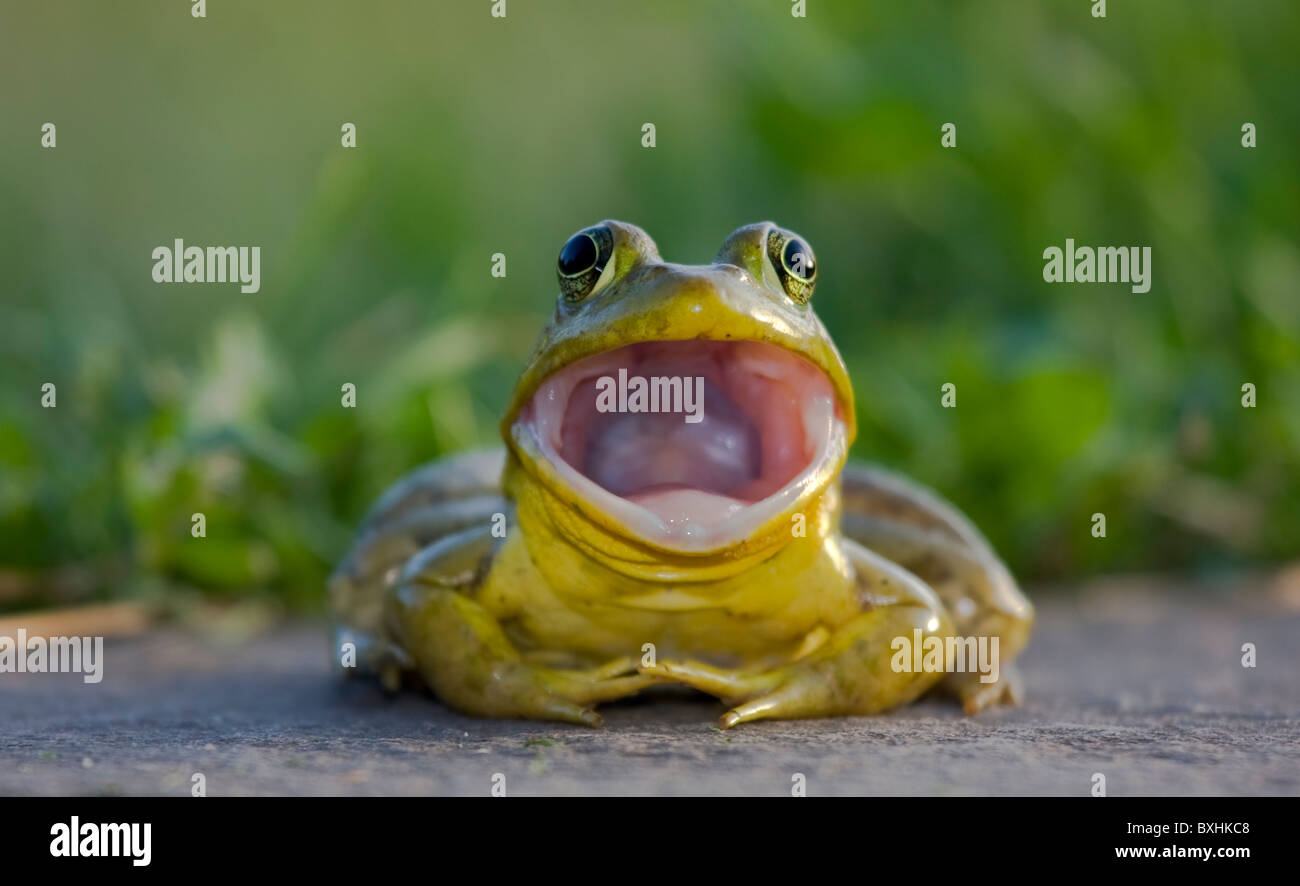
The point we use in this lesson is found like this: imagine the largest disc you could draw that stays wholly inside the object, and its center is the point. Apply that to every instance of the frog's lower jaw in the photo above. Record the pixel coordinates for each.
(754, 435)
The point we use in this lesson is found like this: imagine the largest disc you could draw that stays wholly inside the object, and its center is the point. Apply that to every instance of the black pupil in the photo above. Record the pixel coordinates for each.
(578, 255)
(799, 259)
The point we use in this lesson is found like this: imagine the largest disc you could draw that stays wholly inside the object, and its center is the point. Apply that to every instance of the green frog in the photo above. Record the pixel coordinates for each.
(674, 505)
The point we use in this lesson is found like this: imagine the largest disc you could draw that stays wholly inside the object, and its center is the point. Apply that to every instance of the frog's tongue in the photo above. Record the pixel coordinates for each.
(737, 424)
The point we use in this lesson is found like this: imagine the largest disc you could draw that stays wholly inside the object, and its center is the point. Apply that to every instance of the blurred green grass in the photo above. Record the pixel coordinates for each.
(479, 136)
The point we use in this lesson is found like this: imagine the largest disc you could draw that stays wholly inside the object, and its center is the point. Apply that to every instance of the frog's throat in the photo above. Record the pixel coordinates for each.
(549, 513)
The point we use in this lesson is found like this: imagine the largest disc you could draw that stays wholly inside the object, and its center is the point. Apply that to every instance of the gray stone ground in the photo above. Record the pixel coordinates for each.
(1143, 685)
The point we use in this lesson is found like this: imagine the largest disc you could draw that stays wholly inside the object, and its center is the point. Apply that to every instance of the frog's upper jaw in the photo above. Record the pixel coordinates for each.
(767, 437)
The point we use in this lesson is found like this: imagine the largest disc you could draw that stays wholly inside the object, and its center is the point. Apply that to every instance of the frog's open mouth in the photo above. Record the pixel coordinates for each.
(689, 444)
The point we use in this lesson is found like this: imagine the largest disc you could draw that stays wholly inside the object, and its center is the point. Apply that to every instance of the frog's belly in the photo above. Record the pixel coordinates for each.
(751, 619)
(714, 635)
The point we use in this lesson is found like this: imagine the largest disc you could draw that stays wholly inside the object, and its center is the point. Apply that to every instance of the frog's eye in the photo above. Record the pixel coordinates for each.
(584, 261)
(792, 260)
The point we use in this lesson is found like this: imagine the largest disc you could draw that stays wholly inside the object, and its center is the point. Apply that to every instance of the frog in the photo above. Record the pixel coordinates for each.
(607, 549)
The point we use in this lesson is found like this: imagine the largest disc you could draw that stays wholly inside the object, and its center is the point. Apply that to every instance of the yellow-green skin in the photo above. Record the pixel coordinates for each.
(527, 600)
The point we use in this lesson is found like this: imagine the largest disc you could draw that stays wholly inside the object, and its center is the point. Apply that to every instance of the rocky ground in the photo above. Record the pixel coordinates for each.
(1132, 678)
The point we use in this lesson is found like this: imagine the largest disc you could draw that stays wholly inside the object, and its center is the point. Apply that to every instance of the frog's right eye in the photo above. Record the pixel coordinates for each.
(584, 262)
(792, 260)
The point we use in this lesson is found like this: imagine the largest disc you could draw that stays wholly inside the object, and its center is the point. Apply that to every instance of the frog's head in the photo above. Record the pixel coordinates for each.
(768, 439)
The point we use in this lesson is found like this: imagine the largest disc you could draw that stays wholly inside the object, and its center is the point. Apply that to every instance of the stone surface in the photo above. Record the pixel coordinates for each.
(1142, 684)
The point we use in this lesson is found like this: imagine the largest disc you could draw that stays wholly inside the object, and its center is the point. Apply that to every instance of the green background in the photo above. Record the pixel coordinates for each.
(478, 135)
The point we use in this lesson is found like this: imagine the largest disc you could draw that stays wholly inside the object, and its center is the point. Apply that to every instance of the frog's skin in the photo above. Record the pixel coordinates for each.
(515, 586)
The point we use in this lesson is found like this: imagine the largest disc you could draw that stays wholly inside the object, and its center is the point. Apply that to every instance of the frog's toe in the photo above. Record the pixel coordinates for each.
(722, 683)
(588, 687)
(798, 695)
(521, 690)
(566, 696)
(564, 711)
(619, 667)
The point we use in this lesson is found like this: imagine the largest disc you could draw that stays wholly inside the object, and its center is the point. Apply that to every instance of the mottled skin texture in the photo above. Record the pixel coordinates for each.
(554, 617)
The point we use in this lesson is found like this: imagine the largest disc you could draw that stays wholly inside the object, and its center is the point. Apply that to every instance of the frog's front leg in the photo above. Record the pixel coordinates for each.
(462, 652)
(852, 671)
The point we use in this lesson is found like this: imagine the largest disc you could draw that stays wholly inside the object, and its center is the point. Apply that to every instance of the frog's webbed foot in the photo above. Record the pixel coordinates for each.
(851, 672)
(463, 653)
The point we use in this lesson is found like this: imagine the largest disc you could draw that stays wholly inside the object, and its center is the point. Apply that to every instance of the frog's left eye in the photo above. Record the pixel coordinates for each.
(583, 261)
(792, 260)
